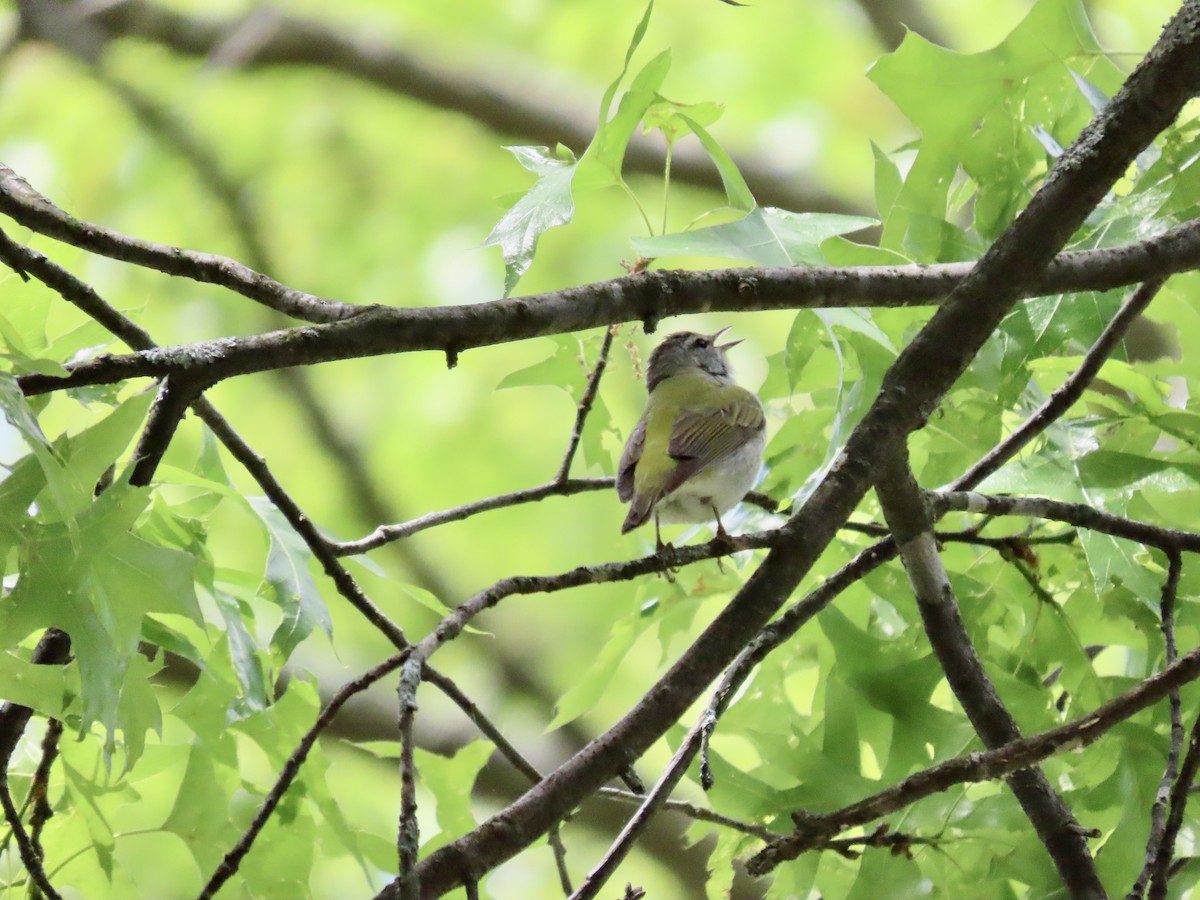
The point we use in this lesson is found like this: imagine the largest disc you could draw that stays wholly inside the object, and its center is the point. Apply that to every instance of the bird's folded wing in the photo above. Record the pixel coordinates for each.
(702, 437)
(629, 460)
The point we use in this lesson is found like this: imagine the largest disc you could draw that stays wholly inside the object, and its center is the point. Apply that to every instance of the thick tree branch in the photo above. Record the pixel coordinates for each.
(647, 297)
(912, 526)
(266, 37)
(924, 371)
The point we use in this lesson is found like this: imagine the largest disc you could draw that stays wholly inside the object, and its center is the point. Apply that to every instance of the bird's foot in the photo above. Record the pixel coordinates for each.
(667, 552)
(725, 544)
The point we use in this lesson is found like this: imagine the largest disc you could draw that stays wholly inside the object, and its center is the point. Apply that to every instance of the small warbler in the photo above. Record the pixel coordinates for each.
(698, 447)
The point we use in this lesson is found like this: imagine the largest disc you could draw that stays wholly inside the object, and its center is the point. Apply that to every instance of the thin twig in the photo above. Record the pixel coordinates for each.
(39, 787)
(29, 855)
(25, 205)
(654, 800)
(1077, 514)
(233, 859)
(385, 534)
(1160, 873)
(1158, 810)
(697, 813)
(560, 859)
(408, 834)
(812, 828)
(1066, 394)
(585, 406)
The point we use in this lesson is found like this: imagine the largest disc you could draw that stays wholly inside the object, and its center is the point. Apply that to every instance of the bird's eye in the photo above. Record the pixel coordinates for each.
(699, 342)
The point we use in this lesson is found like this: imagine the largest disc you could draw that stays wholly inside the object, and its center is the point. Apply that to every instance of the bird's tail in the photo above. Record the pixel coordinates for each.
(639, 512)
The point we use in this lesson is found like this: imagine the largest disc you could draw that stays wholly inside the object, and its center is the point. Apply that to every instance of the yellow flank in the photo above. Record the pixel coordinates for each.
(672, 397)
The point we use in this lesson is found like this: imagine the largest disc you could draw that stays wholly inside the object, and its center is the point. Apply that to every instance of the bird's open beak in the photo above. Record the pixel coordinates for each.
(713, 338)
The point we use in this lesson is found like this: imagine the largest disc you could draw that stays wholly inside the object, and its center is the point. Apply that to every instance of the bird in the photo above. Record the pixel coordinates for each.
(698, 446)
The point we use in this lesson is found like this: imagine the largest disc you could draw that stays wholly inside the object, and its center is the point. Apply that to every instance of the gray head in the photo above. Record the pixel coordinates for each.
(686, 350)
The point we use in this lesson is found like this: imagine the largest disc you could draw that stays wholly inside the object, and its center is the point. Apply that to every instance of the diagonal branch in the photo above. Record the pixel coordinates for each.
(1158, 810)
(1078, 514)
(25, 205)
(1065, 396)
(908, 516)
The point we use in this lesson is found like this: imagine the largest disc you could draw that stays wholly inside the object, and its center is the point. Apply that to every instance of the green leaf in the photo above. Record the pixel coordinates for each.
(737, 192)
(42, 688)
(451, 781)
(547, 204)
(675, 120)
(291, 585)
(602, 162)
(982, 123)
(764, 237)
(243, 651)
(200, 816)
(96, 583)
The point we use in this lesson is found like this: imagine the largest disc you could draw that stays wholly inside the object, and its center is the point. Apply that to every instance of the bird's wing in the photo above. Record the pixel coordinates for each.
(701, 437)
(629, 460)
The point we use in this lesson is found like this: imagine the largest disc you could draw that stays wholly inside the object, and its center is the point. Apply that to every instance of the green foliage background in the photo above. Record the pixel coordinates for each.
(364, 197)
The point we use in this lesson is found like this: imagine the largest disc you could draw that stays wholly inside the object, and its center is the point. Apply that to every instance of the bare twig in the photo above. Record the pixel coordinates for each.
(1160, 871)
(408, 835)
(39, 787)
(30, 857)
(908, 516)
(585, 406)
(813, 828)
(229, 865)
(1066, 394)
(1078, 514)
(385, 534)
(1158, 810)
(25, 205)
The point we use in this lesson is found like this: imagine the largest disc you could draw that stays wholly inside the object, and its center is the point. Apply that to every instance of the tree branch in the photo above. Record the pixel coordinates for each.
(647, 297)
(912, 525)
(1066, 394)
(25, 205)
(1078, 514)
(1158, 810)
(233, 859)
(813, 828)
